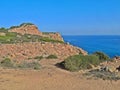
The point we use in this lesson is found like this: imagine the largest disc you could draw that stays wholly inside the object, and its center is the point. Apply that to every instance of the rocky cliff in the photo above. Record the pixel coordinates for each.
(26, 29)
(23, 51)
(55, 36)
(36, 44)
(33, 30)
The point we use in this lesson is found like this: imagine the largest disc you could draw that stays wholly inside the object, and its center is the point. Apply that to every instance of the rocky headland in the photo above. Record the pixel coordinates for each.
(35, 60)
(43, 44)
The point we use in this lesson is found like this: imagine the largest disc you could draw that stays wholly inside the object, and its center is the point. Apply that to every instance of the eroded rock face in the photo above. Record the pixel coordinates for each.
(54, 36)
(26, 29)
(33, 30)
(23, 51)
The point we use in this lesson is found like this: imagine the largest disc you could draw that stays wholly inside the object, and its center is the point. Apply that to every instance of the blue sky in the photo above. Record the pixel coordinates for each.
(69, 17)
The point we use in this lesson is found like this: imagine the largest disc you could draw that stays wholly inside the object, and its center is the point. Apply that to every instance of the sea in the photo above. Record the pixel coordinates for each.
(108, 44)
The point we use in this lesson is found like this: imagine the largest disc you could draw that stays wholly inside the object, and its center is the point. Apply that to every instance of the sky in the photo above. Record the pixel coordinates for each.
(69, 17)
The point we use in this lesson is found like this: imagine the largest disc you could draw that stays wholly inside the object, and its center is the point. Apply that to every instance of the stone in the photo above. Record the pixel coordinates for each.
(111, 69)
(108, 69)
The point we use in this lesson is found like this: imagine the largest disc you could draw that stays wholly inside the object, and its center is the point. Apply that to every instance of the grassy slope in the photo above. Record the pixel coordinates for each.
(12, 37)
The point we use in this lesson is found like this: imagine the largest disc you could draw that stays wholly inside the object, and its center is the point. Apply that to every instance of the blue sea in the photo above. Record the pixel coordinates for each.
(108, 44)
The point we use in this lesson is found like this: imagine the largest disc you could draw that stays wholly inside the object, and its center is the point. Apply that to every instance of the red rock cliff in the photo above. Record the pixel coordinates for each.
(26, 29)
(23, 51)
(32, 29)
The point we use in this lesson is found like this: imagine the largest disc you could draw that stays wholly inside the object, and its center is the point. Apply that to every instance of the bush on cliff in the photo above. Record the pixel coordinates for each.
(78, 62)
(9, 37)
(46, 39)
(102, 56)
(2, 29)
(38, 57)
(26, 24)
(12, 27)
(52, 57)
(6, 63)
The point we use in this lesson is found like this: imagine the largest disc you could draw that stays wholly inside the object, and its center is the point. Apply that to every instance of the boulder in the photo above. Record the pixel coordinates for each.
(108, 69)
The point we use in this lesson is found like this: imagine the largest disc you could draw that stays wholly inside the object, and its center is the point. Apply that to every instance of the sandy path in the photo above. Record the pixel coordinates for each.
(51, 77)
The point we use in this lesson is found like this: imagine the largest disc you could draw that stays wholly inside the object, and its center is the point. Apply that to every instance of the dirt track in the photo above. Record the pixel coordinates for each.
(51, 77)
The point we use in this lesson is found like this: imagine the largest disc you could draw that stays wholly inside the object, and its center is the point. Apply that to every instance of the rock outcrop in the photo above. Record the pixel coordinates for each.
(26, 29)
(54, 36)
(33, 30)
(113, 66)
(23, 51)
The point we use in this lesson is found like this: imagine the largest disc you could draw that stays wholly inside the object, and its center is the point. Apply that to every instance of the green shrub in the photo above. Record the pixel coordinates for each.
(52, 57)
(24, 65)
(12, 27)
(78, 62)
(38, 57)
(30, 58)
(47, 33)
(6, 63)
(105, 75)
(46, 39)
(72, 63)
(31, 65)
(26, 24)
(2, 29)
(12, 37)
(102, 56)
(11, 34)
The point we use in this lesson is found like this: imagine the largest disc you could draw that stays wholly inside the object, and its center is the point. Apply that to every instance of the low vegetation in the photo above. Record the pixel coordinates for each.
(52, 57)
(45, 57)
(26, 24)
(46, 39)
(7, 37)
(12, 37)
(79, 62)
(105, 75)
(46, 33)
(38, 57)
(30, 65)
(8, 63)
(2, 29)
(102, 56)
(23, 24)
